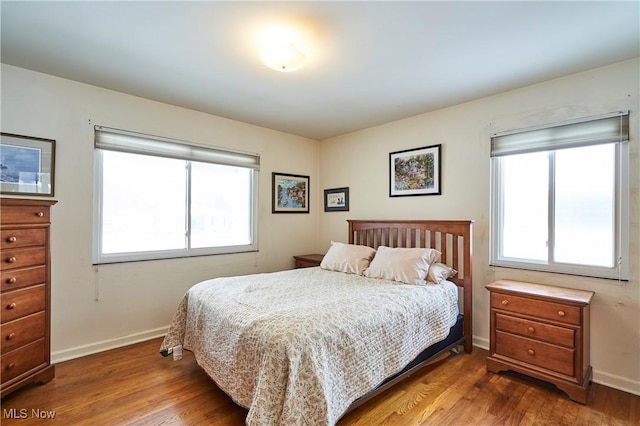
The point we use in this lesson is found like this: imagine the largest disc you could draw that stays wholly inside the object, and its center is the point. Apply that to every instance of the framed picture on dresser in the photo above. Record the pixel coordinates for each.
(26, 165)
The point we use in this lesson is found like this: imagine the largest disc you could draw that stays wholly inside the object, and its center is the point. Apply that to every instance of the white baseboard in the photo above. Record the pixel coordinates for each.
(105, 345)
(599, 377)
(616, 382)
(481, 342)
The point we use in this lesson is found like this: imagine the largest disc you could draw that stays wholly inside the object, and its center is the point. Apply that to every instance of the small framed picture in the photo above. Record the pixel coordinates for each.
(290, 193)
(336, 200)
(415, 171)
(26, 165)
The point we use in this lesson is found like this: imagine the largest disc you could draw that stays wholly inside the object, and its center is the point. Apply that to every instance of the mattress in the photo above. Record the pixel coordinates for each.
(299, 346)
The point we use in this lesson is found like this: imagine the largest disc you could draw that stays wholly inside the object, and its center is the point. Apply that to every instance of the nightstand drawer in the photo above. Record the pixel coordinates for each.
(537, 308)
(22, 331)
(536, 330)
(550, 357)
(308, 260)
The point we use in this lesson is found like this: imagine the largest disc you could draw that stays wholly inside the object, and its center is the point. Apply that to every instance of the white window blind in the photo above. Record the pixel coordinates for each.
(137, 143)
(609, 128)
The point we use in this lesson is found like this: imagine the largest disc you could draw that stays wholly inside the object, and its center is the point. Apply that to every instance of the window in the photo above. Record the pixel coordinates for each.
(158, 198)
(560, 197)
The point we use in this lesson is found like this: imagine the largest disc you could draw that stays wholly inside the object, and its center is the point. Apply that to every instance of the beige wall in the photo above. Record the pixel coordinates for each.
(360, 161)
(111, 305)
(95, 308)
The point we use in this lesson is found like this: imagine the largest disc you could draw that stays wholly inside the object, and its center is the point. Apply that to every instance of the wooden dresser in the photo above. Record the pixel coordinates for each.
(26, 293)
(541, 331)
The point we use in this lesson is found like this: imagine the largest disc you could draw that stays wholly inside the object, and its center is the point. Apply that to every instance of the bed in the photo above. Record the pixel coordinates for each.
(305, 346)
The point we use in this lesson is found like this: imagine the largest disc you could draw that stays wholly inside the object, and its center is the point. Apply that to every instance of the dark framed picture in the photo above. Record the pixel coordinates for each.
(290, 193)
(336, 200)
(415, 171)
(26, 165)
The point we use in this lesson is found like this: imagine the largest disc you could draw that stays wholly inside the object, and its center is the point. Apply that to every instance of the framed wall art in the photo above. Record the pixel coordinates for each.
(336, 200)
(26, 165)
(290, 193)
(415, 172)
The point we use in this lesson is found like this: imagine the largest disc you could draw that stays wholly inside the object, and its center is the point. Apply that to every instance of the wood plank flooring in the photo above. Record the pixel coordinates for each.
(137, 386)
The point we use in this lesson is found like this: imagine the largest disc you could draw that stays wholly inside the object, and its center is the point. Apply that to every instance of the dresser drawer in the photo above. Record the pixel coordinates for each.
(23, 359)
(14, 279)
(22, 258)
(22, 331)
(23, 214)
(19, 303)
(537, 308)
(12, 238)
(545, 355)
(536, 330)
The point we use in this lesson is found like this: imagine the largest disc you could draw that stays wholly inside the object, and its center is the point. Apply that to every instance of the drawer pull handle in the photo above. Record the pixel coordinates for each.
(11, 280)
(40, 214)
(531, 330)
(12, 259)
(11, 366)
(11, 336)
(531, 352)
(12, 239)
(11, 305)
(505, 302)
(561, 313)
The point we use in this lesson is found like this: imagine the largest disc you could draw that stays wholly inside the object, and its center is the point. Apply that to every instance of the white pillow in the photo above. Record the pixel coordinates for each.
(407, 265)
(440, 272)
(349, 258)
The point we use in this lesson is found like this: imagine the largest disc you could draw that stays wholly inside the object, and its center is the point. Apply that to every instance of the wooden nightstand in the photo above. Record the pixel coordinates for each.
(541, 331)
(308, 260)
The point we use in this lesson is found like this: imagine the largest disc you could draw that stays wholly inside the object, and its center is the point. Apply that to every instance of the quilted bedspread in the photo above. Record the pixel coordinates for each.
(298, 347)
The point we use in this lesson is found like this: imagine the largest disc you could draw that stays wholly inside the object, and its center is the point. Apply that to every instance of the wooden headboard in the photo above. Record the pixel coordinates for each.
(452, 238)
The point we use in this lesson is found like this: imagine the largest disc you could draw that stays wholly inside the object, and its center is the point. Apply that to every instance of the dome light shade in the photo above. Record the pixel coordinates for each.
(284, 57)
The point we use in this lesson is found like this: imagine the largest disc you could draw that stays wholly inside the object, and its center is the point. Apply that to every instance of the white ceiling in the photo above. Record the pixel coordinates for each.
(370, 62)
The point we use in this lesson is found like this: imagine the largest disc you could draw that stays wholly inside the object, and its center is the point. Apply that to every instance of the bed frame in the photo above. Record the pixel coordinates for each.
(453, 239)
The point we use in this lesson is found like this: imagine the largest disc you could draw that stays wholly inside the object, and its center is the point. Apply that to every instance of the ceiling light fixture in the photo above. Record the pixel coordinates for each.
(283, 57)
(281, 49)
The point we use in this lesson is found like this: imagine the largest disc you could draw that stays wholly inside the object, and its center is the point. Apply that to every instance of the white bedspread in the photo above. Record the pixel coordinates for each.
(298, 347)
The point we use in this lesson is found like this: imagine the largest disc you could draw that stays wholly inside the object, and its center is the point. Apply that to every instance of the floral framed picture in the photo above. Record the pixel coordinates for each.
(415, 172)
(26, 165)
(290, 193)
(336, 200)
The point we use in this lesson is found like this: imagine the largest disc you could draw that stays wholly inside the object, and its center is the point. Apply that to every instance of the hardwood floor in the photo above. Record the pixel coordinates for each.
(137, 386)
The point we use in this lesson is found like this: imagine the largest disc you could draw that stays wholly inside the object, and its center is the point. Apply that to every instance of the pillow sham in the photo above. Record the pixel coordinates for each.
(349, 258)
(440, 272)
(407, 265)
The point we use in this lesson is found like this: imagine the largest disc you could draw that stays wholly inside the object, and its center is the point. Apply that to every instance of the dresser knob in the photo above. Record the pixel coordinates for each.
(12, 239)
(11, 305)
(561, 313)
(12, 259)
(40, 214)
(505, 302)
(531, 352)
(531, 330)
(11, 336)
(11, 366)
(11, 280)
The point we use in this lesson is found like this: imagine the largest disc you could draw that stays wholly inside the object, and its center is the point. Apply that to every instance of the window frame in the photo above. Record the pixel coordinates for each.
(99, 258)
(620, 268)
